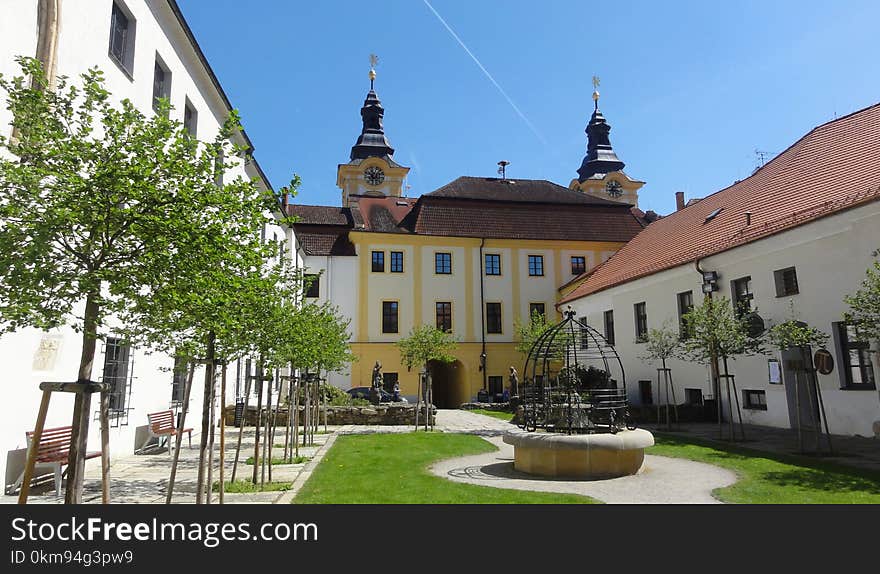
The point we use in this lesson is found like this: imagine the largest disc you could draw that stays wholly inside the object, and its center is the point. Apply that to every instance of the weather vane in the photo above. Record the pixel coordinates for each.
(374, 59)
(596, 91)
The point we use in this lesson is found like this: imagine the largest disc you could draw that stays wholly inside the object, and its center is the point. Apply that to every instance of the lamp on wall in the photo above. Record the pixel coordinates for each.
(482, 361)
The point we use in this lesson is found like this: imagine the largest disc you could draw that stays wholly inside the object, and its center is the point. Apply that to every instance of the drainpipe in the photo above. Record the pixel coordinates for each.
(483, 317)
(713, 364)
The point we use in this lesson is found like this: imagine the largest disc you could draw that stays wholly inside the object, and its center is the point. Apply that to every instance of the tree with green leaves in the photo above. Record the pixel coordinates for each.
(795, 335)
(107, 211)
(527, 332)
(661, 345)
(864, 304)
(718, 332)
(425, 344)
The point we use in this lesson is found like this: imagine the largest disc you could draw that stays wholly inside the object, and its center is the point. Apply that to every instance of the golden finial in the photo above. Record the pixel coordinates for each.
(596, 90)
(374, 59)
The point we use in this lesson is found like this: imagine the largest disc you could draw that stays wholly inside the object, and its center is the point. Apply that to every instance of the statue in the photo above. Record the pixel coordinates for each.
(514, 382)
(376, 385)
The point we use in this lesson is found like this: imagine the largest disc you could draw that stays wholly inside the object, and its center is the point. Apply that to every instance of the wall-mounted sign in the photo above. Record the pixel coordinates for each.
(47, 352)
(824, 361)
(775, 372)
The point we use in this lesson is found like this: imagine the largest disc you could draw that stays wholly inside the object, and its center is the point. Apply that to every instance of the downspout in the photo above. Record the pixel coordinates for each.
(713, 362)
(48, 16)
(483, 317)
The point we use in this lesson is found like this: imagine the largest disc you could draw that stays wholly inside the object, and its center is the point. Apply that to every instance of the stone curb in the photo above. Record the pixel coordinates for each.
(286, 497)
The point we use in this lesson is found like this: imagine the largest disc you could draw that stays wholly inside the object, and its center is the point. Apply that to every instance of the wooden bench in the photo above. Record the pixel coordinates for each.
(161, 425)
(52, 453)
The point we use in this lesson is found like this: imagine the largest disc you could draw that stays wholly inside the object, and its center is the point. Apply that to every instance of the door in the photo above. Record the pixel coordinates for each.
(793, 360)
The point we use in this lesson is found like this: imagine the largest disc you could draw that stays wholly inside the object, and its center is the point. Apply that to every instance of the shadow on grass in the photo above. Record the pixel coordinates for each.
(799, 472)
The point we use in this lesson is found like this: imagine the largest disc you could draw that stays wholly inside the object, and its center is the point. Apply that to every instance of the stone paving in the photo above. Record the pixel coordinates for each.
(661, 480)
(143, 478)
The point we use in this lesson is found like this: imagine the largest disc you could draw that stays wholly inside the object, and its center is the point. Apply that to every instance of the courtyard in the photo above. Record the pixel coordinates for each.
(465, 461)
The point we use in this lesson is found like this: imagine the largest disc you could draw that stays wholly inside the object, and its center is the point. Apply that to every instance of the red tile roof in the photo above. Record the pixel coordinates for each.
(834, 167)
(500, 220)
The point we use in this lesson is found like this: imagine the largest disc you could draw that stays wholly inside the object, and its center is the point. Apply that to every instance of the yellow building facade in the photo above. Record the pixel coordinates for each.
(474, 257)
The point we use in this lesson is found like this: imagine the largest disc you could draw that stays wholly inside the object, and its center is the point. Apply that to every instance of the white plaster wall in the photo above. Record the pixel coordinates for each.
(83, 43)
(830, 255)
(338, 285)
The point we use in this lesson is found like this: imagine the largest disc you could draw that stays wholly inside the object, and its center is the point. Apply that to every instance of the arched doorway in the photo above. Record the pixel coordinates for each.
(447, 384)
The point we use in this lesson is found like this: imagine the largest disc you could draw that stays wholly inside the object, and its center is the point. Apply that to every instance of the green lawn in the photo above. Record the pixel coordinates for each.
(280, 460)
(766, 478)
(244, 486)
(392, 469)
(494, 414)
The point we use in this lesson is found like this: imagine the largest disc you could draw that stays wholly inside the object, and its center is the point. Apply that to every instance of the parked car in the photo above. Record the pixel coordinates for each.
(364, 393)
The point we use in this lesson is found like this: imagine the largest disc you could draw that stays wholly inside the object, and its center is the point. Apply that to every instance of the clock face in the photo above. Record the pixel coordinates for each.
(613, 188)
(374, 175)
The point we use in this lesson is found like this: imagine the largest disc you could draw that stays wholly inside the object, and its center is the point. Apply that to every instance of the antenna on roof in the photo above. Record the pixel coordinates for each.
(763, 155)
(502, 169)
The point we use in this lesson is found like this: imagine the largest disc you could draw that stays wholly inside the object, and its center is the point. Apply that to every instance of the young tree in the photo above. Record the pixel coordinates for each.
(793, 334)
(526, 333)
(423, 345)
(865, 304)
(716, 331)
(100, 205)
(661, 345)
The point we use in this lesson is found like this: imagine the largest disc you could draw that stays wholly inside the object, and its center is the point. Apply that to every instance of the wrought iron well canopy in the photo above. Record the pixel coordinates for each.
(574, 382)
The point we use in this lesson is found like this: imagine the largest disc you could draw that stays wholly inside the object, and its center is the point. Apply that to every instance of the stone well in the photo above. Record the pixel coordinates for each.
(587, 456)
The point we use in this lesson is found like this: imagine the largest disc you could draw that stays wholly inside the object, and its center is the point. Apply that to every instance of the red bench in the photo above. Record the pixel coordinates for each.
(162, 425)
(53, 452)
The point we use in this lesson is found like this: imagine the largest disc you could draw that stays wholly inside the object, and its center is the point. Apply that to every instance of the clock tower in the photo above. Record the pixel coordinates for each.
(601, 173)
(371, 169)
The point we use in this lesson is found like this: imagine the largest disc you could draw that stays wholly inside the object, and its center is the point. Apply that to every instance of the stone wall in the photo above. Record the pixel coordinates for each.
(501, 407)
(382, 414)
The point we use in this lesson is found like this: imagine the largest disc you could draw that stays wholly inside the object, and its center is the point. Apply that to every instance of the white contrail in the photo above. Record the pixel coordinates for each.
(488, 75)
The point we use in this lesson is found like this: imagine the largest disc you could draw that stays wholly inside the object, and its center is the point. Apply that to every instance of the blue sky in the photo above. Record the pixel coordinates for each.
(691, 89)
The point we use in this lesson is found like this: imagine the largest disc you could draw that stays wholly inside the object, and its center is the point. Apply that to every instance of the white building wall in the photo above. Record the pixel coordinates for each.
(83, 43)
(830, 256)
(337, 284)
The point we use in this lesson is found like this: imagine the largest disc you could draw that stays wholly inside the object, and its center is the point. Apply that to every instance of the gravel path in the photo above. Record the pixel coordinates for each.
(661, 480)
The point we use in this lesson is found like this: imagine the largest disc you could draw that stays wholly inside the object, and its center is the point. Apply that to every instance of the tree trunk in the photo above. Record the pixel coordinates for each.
(259, 416)
(210, 482)
(76, 459)
(243, 422)
(206, 416)
(180, 426)
(222, 430)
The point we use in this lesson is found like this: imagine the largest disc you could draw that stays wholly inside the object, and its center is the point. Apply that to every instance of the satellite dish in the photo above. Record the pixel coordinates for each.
(756, 325)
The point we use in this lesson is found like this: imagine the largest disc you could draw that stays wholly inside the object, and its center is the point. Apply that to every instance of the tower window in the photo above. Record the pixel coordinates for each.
(443, 263)
(493, 264)
(536, 265)
(378, 262)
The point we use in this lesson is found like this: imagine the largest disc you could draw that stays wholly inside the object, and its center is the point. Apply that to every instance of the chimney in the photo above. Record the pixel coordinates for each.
(679, 200)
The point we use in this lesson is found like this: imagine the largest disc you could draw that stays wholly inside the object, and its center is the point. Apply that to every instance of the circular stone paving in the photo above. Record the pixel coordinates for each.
(661, 480)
